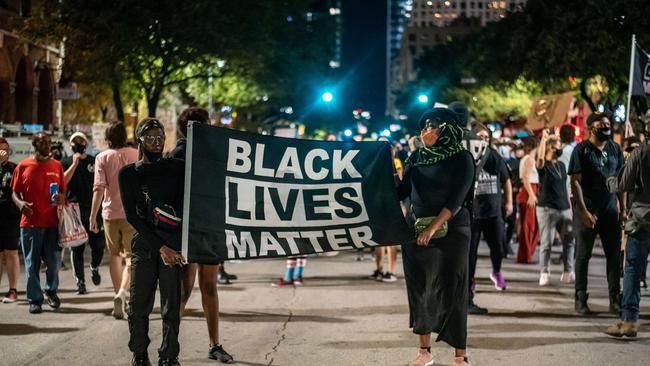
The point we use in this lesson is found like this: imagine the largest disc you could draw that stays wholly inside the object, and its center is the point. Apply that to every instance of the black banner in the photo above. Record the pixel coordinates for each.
(257, 196)
(641, 72)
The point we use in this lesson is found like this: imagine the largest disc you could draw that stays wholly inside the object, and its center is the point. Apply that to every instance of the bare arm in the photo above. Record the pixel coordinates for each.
(507, 197)
(587, 218)
(70, 171)
(98, 197)
(24, 207)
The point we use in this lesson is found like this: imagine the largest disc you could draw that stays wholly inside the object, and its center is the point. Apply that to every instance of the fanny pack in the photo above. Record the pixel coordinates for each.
(161, 215)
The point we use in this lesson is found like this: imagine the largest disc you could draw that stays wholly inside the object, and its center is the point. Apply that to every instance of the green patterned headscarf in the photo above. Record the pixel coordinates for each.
(449, 143)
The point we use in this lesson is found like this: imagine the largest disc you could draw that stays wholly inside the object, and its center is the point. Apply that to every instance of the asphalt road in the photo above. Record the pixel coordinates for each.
(337, 318)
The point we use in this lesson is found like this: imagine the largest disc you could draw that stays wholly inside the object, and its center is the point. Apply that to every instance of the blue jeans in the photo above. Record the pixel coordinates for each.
(636, 253)
(40, 244)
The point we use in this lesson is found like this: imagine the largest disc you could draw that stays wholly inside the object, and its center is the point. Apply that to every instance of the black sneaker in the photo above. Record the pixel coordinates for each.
(94, 274)
(140, 360)
(169, 362)
(581, 306)
(35, 309)
(388, 277)
(222, 272)
(53, 300)
(218, 353)
(223, 280)
(81, 288)
(474, 309)
(376, 275)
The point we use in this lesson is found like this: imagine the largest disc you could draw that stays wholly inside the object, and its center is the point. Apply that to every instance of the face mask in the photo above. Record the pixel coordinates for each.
(558, 153)
(429, 137)
(152, 156)
(57, 156)
(78, 148)
(603, 133)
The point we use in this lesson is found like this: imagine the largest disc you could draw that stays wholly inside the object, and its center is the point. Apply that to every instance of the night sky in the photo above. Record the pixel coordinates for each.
(363, 65)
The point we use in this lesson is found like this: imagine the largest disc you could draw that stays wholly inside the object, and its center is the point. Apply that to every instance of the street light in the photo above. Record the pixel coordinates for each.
(327, 97)
(347, 132)
(423, 98)
(385, 133)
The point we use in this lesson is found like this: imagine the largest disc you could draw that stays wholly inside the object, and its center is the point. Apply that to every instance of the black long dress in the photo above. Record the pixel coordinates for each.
(436, 274)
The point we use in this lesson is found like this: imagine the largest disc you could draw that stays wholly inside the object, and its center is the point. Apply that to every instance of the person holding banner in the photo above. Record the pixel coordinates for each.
(208, 273)
(438, 179)
(152, 195)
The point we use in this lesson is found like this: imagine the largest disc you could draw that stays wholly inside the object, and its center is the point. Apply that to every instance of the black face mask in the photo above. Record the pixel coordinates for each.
(558, 153)
(603, 133)
(57, 156)
(78, 148)
(152, 156)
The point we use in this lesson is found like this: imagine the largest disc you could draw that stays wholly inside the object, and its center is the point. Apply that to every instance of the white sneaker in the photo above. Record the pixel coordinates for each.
(544, 279)
(568, 277)
(119, 305)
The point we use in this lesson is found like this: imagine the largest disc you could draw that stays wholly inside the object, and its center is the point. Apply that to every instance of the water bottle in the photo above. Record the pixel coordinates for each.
(54, 189)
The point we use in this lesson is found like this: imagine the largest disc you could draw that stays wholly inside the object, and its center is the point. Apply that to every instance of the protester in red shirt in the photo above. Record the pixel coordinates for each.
(38, 184)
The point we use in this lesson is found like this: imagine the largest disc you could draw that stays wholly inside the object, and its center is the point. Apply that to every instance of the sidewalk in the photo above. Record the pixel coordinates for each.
(337, 318)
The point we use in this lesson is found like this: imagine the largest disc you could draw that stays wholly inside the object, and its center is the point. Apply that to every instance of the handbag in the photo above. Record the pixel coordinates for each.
(423, 222)
(71, 231)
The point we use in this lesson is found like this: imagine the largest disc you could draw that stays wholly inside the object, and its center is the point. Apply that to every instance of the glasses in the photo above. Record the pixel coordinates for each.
(151, 139)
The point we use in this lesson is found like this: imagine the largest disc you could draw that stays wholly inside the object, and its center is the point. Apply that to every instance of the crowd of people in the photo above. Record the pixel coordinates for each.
(455, 184)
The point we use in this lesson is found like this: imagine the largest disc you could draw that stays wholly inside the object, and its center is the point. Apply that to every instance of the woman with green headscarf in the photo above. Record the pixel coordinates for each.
(438, 179)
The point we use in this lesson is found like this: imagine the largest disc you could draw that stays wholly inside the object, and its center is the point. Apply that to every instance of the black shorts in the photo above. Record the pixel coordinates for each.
(8, 241)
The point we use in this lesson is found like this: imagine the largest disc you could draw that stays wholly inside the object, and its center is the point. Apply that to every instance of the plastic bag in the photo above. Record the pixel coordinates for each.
(71, 231)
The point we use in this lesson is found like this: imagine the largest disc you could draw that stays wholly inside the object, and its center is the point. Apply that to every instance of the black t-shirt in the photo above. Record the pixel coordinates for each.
(489, 185)
(596, 166)
(9, 214)
(80, 188)
(552, 186)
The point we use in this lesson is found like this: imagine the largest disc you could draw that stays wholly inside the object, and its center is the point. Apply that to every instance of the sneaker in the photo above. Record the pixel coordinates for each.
(644, 284)
(227, 275)
(53, 300)
(474, 309)
(218, 353)
(140, 360)
(376, 275)
(11, 296)
(282, 283)
(622, 329)
(499, 281)
(119, 302)
(297, 281)
(388, 277)
(81, 288)
(461, 361)
(568, 277)
(581, 306)
(544, 279)
(94, 274)
(35, 309)
(223, 280)
(424, 358)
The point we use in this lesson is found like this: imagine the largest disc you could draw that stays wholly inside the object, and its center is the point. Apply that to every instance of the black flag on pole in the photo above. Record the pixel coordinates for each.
(641, 73)
(255, 196)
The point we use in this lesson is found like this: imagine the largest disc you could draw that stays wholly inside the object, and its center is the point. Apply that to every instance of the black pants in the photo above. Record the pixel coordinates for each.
(147, 273)
(494, 233)
(609, 230)
(96, 242)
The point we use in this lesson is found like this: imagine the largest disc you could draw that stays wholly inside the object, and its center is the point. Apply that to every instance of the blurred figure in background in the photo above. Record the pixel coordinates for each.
(527, 201)
(9, 224)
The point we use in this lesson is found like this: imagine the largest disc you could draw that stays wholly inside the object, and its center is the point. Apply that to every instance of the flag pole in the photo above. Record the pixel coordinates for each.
(629, 131)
